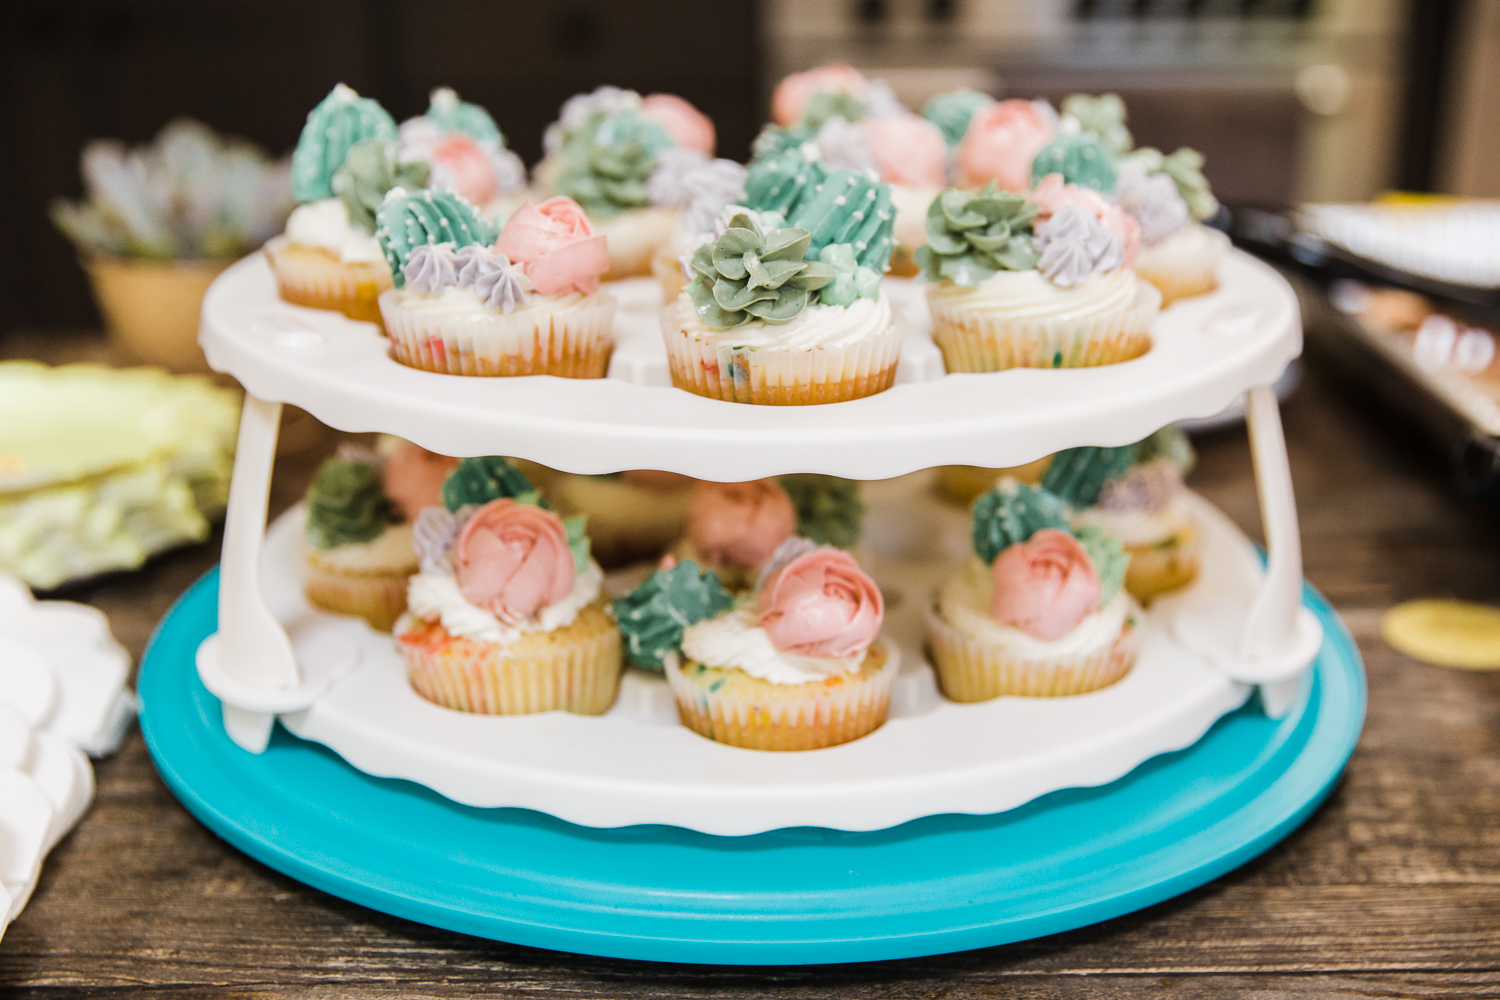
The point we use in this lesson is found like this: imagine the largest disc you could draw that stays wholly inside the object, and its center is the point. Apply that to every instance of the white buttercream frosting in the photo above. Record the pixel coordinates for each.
(461, 301)
(1194, 247)
(325, 225)
(737, 640)
(964, 602)
(817, 326)
(436, 597)
(389, 552)
(1029, 294)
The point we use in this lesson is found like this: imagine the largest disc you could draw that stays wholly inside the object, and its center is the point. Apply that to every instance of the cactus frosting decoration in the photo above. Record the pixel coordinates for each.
(342, 119)
(1078, 475)
(653, 616)
(972, 235)
(406, 221)
(452, 115)
(779, 183)
(369, 171)
(953, 111)
(849, 206)
(1081, 158)
(346, 504)
(1009, 513)
(749, 275)
(476, 481)
(1102, 116)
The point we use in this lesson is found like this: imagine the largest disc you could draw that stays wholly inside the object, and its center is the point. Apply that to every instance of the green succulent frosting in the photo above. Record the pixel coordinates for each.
(1081, 158)
(452, 115)
(749, 275)
(1102, 116)
(1185, 167)
(653, 616)
(829, 510)
(605, 163)
(779, 183)
(972, 235)
(1109, 558)
(333, 127)
(773, 140)
(1078, 475)
(1009, 513)
(406, 221)
(825, 104)
(1171, 444)
(369, 171)
(489, 477)
(849, 206)
(952, 112)
(346, 504)
(851, 279)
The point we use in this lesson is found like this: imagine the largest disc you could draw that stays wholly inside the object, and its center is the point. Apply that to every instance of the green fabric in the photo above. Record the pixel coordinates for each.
(1109, 557)
(605, 163)
(972, 235)
(829, 510)
(453, 115)
(1102, 116)
(333, 127)
(826, 104)
(1171, 444)
(346, 504)
(653, 616)
(1080, 158)
(1078, 475)
(749, 275)
(952, 112)
(851, 280)
(369, 171)
(407, 221)
(1185, 167)
(1009, 513)
(850, 206)
(489, 477)
(781, 182)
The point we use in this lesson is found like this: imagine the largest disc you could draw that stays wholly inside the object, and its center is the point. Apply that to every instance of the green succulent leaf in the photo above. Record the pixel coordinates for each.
(346, 504)
(477, 481)
(972, 235)
(748, 274)
(605, 162)
(653, 616)
(1009, 513)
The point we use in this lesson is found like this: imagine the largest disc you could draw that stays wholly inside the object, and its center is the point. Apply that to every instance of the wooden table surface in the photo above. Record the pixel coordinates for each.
(1391, 889)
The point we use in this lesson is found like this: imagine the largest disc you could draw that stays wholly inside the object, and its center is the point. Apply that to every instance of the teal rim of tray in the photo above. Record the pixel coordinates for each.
(789, 897)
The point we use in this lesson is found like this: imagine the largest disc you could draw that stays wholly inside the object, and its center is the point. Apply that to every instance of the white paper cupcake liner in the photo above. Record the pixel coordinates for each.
(308, 276)
(574, 342)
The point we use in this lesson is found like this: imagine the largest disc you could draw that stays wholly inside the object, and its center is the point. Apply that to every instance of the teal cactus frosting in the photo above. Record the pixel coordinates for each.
(1009, 513)
(849, 206)
(851, 279)
(829, 509)
(346, 504)
(476, 481)
(773, 140)
(1185, 167)
(1109, 558)
(1080, 157)
(826, 104)
(605, 163)
(751, 275)
(342, 119)
(952, 112)
(369, 171)
(450, 114)
(1171, 444)
(653, 616)
(1102, 116)
(406, 221)
(972, 235)
(779, 183)
(1078, 475)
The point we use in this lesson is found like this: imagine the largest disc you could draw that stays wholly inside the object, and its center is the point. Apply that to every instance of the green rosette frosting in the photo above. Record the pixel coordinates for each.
(1103, 117)
(952, 112)
(333, 127)
(1171, 444)
(780, 183)
(452, 115)
(479, 480)
(826, 104)
(1081, 159)
(406, 221)
(1078, 475)
(851, 279)
(606, 163)
(1109, 557)
(346, 504)
(653, 616)
(972, 235)
(1009, 513)
(369, 171)
(749, 275)
(1185, 167)
(773, 140)
(829, 510)
(852, 207)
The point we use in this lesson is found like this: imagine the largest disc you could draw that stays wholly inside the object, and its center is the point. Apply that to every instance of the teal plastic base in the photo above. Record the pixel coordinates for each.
(799, 896)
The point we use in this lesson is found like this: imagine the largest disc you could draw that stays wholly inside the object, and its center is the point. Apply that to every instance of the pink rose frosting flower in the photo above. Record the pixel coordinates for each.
(1045, 586)
(1053, 195)
(821, 604)
(413, 478)
(513, 559)
(739, 524)
(688, 127)
(908, 149)
(1003, 139)
(555, 246)
(794, 91)
(463, 167)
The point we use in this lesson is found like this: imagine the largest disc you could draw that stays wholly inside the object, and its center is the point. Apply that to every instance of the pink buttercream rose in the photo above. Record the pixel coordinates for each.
(513, 559)
(688, 127)
(908, 149)
(413, 478)
(739, 524)
(794, 91)
(1053, 195)
(1002, 140)
(556, 246)
(1045, 586)
(458, 158)
(821, 604)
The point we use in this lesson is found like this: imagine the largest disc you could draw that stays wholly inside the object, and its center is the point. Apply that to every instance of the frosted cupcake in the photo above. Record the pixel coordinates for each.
(1039, 610)
(528, 305)
(699, 189)
(735, 528)
(1169, 197)
(345, 161)
(1000, 141)
(466, 151)
(1039, 283)
(632, 515)
(505, 616)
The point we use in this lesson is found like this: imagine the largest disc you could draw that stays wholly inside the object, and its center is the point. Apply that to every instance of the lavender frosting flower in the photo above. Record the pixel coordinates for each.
(431, 268)
(842, 145)
(432, 536)
(1149, 486)
(1152, 200)
(695, 185)
(498, 283)
(1074, 245)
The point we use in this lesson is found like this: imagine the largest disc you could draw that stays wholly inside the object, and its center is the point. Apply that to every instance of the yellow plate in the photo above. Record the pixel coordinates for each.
(1446, 632)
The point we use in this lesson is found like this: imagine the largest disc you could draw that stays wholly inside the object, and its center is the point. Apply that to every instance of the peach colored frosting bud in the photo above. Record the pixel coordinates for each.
(556, 246)
(739, 524)
(688, 127)
(466, 165)
(794, 91)
(1052, 195)
(1045, 586)
(821, 604)
(513, 559)
(908, 149)
(1002, 140)
(413, 478)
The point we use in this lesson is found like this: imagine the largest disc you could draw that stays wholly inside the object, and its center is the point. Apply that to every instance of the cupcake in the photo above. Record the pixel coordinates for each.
(798, 666)
(527, 305)
(1000, 142)
(735, 528)
(467, 154)
(505, 616)
(632, 515)
(345, 161)
(1042, 281)
(1039, 610)
(1169, 197)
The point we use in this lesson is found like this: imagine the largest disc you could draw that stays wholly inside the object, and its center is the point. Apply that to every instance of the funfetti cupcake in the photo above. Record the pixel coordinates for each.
(345, 161)
(735, 528)
(1039, 610)
(528, 305)
(632, 515)
(1170, 198)
(505, 616)
(1013, 283)
(467, 153)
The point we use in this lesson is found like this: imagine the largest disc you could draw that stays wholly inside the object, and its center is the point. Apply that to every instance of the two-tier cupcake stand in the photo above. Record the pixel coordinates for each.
(951, 827)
